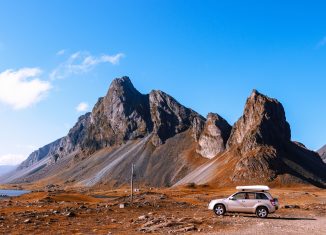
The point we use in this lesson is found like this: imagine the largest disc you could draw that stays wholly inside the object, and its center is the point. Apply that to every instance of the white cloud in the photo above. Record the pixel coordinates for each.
(22, 88)
(61, 52)
(12, 159)
(83, 62)
(82, 107)
(322, 42)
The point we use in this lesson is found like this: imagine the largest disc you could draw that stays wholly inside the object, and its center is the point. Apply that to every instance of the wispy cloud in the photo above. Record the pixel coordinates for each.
(82, 107)
(12, 159)
(83, 62)
(61, 52)
(321, 43)
(22, 88)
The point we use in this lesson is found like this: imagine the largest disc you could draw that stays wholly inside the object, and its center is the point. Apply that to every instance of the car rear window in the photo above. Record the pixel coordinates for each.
(261, 196)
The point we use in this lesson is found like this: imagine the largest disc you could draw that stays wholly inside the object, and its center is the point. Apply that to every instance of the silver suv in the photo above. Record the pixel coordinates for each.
(249, 199)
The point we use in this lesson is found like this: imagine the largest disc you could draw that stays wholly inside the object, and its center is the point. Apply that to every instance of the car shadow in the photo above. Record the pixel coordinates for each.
(282, 218)
(269, 218)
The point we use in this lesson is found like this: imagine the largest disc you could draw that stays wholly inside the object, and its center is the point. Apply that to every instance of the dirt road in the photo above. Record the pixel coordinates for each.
(157, 211)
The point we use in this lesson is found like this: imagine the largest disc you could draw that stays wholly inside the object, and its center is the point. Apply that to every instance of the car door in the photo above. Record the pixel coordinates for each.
(235, 202)
(249, 202)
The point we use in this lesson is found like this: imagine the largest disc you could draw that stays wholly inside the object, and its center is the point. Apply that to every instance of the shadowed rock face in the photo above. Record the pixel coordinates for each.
(213, 139)
(170, 117)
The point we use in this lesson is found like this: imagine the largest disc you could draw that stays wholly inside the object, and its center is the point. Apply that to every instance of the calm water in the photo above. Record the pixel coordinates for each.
(12, 193)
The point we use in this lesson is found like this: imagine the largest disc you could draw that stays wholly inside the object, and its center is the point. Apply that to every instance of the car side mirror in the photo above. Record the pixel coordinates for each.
(232, 199)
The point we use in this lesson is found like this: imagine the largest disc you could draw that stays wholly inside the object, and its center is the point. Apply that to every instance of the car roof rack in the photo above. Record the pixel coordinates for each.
(262, 188)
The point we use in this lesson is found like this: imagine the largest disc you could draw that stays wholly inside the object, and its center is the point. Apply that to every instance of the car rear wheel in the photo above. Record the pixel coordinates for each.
(219, 209)
(262, 212)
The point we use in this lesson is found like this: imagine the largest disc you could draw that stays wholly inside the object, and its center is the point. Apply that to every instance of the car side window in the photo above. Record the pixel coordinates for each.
(261, 196)
(250, 196)
(239, 196)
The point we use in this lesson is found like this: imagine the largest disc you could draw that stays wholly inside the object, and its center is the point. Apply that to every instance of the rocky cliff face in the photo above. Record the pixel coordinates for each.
(123, 114)
(214, 136)
(258, 136)
(322, 153)
(170, 117)
(262, 137)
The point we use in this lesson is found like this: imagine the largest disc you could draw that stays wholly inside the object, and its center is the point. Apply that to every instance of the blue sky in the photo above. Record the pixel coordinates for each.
(209, 55)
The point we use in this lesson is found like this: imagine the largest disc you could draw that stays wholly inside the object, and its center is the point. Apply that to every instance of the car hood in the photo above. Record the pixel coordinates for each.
(218, 200)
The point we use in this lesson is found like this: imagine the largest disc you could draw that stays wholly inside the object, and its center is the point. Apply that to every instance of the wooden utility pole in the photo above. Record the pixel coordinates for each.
(132, 183)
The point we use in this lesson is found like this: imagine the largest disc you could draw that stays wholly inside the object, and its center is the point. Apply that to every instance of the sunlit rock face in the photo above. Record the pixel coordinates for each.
(215, 134)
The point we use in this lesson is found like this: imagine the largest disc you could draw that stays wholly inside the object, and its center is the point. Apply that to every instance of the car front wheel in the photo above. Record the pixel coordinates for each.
(219, 209)
(262, 212)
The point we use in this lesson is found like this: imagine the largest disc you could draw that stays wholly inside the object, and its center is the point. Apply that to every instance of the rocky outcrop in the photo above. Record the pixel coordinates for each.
(170, 117)
(212, 140)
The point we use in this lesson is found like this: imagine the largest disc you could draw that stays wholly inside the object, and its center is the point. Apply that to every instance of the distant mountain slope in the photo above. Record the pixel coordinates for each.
(171, 145)
(4, 169)
(322, 153)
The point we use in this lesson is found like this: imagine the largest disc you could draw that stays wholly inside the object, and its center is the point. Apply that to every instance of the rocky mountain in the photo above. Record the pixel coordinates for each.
(122, 124)
(260, 150)
(172, 145)
(322, 153)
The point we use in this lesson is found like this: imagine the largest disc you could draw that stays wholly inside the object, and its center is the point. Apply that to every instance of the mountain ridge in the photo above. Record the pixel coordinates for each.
(171, 144)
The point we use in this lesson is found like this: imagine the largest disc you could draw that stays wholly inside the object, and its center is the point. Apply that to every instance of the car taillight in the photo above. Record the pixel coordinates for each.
(273, 202)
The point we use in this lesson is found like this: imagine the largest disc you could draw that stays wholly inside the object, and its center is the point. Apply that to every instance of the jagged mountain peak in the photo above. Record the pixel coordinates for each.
(122, 87)
(263, 122)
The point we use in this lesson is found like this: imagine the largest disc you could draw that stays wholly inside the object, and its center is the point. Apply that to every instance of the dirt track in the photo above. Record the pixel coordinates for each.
(156, 212)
